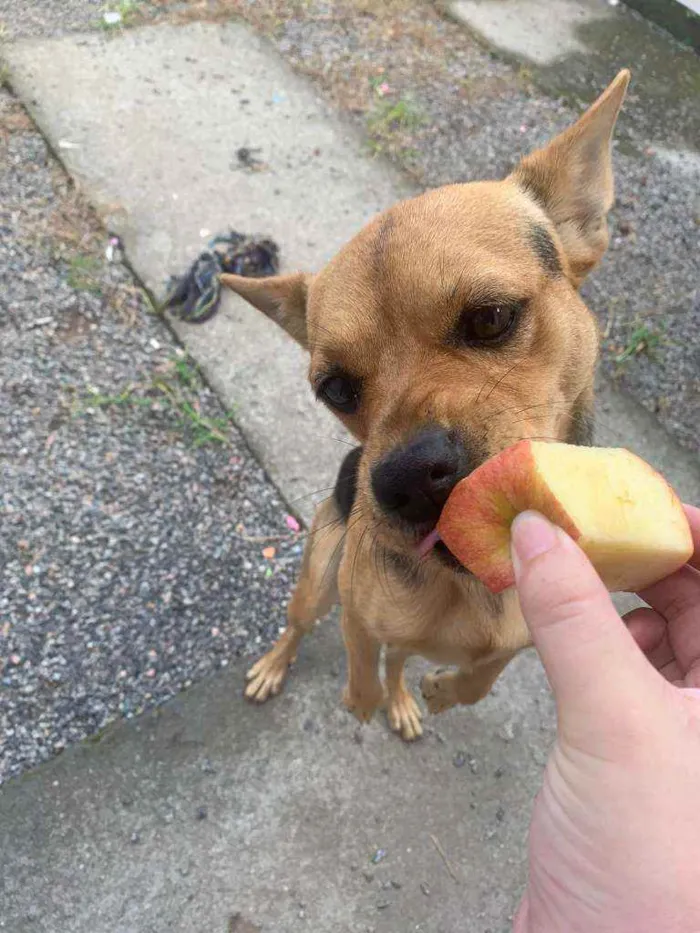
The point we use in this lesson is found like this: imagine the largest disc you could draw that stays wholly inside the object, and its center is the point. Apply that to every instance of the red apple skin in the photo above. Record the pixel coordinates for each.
(475, 522)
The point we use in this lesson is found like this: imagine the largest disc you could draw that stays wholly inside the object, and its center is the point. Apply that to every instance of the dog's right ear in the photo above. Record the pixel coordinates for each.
(281, 297)
(572, 180)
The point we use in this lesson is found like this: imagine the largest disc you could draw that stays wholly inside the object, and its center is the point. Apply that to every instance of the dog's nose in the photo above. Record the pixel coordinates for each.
(413, 482)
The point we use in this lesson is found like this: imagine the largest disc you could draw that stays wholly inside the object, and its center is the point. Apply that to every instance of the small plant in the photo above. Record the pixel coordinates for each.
(83, 274)
(642, 340)
(119, 15)
(175, 390)
(391, 116)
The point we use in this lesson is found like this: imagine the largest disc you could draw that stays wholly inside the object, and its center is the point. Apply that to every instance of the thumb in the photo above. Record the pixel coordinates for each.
(592, 662)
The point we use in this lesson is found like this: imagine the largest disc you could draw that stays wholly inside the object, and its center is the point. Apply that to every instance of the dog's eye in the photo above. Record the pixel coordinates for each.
(485, 325)
(340, 393)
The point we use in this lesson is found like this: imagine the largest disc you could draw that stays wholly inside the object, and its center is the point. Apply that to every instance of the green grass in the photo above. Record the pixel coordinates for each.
(83, 272)
(127, 10)
(394, 116)
(643, 339)
(175, 391)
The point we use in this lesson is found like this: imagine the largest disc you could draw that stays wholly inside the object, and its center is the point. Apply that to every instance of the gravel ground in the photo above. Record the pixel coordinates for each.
(126, 568)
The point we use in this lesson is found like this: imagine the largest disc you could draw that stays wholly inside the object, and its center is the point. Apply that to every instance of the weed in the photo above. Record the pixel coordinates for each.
(642, 340)
(124, 398)
(4, 76)
(83, 274)
(390, 116)
(127, 11)
(174, 389)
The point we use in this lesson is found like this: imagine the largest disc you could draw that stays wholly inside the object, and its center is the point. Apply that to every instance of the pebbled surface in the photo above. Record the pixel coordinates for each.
(127, 566)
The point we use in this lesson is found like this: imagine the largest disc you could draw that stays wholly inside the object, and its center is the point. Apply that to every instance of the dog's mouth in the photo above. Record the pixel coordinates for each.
(432, 543)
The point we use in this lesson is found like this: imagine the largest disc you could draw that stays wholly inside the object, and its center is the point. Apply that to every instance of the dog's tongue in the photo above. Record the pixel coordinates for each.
(428, 542)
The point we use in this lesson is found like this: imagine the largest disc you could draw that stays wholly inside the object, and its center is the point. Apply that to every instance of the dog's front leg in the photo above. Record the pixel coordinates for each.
(444, 689)
(402, 711)
(363, 691)
(314, 596)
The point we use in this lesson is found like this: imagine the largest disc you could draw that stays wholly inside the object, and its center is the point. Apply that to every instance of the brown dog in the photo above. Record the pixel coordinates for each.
(447, 329)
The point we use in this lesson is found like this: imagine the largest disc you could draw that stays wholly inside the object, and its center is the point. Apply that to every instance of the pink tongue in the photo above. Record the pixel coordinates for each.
(428, 542)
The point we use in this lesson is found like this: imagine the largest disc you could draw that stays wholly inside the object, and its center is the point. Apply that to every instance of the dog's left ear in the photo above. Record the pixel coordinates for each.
(281, 297)
(572, 179)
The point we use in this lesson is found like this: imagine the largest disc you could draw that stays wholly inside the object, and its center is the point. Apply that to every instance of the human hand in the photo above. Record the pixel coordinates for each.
(614, 841)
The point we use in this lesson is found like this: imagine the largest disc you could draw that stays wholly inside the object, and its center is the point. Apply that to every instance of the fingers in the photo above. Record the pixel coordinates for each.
(677, 599)
(591, 660)
(648, 629)
(693, 515)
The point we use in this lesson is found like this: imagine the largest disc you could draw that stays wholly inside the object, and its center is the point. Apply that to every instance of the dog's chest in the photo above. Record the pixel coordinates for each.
(459, 631)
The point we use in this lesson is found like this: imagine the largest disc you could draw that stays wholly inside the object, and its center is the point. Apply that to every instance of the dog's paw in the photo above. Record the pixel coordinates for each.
(404, 716)
(266, 677)
(363, 703)
(438, 690)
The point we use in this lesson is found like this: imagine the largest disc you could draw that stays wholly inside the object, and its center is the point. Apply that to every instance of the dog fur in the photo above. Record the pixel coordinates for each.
(385, 321)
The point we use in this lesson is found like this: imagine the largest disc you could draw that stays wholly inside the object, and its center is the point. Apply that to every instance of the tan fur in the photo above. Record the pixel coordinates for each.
(383, 309)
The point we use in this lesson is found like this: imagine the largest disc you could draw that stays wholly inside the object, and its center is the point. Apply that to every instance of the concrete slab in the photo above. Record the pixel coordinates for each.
(573, 48)
(149, 124)
(544, 33)
(112, 836)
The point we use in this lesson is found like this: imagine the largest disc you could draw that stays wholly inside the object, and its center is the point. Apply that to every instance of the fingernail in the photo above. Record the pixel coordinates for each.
(531, 535)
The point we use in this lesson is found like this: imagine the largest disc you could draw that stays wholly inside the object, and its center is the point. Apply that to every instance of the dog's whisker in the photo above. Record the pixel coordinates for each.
(559, 406)
(496, 384)
(340, 520)
(340, 544)
(356, 555)
(355, 512)
(383, 572)
(341, 481)
(331, 437)
(532, 437)
(308, 495)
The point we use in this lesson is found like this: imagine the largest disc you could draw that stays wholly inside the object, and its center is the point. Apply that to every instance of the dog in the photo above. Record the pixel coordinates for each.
(446, 330)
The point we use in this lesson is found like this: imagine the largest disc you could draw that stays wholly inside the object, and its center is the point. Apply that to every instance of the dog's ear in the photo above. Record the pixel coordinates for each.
(281, 297)
(572, 179)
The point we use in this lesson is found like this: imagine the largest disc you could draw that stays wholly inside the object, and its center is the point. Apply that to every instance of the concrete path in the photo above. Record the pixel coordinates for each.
(149, 124)
(209, 808)
(107, 837)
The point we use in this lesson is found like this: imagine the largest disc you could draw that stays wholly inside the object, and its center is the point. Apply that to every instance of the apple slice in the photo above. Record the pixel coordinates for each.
(622, 513)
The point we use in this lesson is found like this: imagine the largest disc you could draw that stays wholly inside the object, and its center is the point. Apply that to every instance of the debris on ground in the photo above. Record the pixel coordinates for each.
(196, 295)
(248, 160)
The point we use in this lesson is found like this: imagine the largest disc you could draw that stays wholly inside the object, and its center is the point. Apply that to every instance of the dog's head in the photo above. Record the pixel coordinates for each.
(451, 326)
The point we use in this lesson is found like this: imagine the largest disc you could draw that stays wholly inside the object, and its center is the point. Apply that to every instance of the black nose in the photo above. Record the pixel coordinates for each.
(413, 482)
